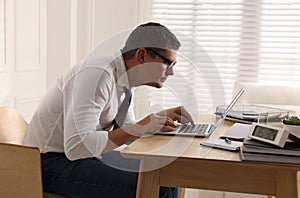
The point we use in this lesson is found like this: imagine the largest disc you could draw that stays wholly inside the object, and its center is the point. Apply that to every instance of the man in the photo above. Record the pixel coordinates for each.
(79, 121)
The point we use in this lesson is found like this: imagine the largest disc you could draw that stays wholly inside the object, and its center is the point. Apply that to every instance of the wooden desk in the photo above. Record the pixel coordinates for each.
(182, 162)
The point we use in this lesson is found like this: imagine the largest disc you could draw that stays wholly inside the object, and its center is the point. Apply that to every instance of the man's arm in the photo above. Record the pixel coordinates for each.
(163, 121)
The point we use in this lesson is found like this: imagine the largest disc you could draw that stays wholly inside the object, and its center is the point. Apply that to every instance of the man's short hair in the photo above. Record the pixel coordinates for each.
(150, 35)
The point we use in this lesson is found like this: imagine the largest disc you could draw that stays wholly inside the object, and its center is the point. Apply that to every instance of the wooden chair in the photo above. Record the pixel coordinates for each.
(20, 166)
(12, 126)
(20, 171)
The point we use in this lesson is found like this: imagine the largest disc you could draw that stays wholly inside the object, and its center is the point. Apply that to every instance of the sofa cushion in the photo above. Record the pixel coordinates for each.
(256, 93)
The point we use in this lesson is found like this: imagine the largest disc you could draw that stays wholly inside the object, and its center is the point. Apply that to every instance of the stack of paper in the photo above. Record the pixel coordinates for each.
(225, 144)
(257, 151)
(237, 132)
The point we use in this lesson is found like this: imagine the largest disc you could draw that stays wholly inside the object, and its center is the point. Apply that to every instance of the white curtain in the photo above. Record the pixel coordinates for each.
(224, 41)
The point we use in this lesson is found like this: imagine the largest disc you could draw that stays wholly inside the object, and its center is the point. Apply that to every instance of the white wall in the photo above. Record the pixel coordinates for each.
(44, 38)
(58, 38)
(114, 16)
(98, 20)
(24, 65)
(74, 27)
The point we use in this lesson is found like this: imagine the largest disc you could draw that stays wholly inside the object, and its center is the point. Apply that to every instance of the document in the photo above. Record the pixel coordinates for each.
(290, 148)
(269, 158)
(225, 144)
(237, 132)
(257, 151)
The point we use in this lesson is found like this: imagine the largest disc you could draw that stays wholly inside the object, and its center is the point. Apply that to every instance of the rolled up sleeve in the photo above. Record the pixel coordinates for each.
(85, 97)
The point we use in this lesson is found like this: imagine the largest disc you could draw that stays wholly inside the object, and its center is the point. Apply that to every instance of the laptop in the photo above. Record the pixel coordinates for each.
(203, 130)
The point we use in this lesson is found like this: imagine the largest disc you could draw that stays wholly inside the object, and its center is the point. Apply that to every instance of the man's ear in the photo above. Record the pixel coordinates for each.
(140, 55)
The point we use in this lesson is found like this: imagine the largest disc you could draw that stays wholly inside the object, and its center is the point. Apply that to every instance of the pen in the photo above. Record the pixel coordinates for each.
(228, 141)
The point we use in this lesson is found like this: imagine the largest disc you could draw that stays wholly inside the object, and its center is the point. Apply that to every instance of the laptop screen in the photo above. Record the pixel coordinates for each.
(229, 107)
(235, 99)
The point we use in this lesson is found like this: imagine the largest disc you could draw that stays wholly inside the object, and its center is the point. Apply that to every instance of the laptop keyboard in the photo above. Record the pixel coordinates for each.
(196, 129)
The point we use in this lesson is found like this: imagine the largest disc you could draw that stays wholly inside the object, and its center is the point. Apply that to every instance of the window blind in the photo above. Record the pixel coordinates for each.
(225, 41)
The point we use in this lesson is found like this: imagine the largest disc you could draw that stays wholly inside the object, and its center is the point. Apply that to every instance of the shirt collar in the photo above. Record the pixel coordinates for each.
(121, 72)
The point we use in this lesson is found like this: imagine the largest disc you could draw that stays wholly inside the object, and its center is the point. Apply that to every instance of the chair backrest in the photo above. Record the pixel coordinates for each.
(12, 126)
(20, 166)
(20, 171)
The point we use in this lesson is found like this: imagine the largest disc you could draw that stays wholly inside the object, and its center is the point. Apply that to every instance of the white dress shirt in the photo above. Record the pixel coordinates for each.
(76, 113)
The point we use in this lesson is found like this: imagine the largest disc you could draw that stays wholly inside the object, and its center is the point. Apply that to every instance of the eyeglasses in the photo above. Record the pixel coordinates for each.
(170, 63)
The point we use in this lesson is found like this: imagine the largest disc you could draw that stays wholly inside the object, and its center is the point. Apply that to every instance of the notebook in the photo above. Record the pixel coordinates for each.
(203, 130)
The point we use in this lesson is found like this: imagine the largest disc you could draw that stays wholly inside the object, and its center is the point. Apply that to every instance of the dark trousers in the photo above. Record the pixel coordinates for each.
(113, 176)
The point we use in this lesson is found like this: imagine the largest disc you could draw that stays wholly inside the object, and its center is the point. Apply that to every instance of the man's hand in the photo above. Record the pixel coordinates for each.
(179, 114)
(163, 121)
(155, 122)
